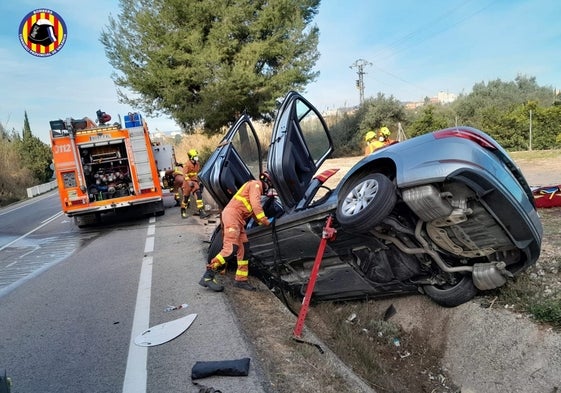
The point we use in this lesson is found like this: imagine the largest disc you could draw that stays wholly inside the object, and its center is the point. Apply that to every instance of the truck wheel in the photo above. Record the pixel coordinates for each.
(160, 208)
(86, 220)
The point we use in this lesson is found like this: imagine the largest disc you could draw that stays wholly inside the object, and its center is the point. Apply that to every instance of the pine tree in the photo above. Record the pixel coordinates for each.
(35, 155)
(205, 62)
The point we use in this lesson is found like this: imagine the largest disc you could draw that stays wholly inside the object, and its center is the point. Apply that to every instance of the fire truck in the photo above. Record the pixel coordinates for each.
(102, 168)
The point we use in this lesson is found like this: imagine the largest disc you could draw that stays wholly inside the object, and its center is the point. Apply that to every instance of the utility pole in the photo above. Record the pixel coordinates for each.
(400, 133)
(359, 65)
(530, 130)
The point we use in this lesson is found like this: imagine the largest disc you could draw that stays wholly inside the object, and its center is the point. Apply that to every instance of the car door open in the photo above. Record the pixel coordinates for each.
(299, 145)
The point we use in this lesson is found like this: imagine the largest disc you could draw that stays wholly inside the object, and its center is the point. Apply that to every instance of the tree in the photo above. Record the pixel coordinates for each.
(502, 96)
(346, 140)
(382, 110)
(26, 132)
(204, 62)
(430, 119)
(14, 177)
(34, 155)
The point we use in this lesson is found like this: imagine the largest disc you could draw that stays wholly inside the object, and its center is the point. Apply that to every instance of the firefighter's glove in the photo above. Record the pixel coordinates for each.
(216, 265)
(265, 221)
(222, 268)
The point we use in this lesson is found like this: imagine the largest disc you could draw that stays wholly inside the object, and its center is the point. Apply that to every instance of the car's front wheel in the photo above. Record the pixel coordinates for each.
(369, 200)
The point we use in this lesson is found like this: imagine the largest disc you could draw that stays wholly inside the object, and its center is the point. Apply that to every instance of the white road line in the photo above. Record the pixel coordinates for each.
(45, 222)
(149, 245)
(136, 374)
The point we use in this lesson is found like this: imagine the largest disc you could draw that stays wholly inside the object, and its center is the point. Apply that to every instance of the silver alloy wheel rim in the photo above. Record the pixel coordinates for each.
(359, 197)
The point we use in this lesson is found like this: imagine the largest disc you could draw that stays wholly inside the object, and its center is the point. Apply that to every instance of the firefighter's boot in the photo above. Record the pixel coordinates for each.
(201, 208)
(244, 285)
(203, 214)
(183, 212)
(208, 280)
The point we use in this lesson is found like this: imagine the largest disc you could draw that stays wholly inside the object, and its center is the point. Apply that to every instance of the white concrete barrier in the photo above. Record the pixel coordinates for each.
(41, 189)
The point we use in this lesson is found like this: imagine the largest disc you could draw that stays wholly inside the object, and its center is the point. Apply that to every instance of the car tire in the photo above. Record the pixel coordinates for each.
(216, 246)
(452, 296)
(368, 201)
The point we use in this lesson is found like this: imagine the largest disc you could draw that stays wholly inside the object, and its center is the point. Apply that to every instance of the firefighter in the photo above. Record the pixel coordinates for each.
(191, 185)
(369, 138)
(375, 144)
(175, 181)
(245, 203)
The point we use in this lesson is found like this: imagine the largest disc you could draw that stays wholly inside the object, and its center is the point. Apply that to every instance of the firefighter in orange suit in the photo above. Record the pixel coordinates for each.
(175, 181)
(245, 203)
(375, 144)
(191, 184)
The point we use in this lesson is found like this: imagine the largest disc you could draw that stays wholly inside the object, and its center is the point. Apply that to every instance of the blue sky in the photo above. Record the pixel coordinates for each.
(412, 49)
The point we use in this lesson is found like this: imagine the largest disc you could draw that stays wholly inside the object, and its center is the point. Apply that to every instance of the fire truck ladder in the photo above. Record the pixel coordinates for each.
(141, 159)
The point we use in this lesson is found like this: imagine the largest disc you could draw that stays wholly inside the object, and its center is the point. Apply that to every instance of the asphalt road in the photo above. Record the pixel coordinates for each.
(72, 301)
(69, 302)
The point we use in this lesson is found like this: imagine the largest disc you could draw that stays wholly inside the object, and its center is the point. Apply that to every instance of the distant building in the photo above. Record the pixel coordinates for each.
(413, 104)
(445, 97)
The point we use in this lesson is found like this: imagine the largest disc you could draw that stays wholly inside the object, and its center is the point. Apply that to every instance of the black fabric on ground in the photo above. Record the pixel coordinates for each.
(231, 368)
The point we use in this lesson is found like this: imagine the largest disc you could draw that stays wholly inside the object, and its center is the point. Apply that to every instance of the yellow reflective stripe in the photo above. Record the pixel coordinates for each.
(190, 174)
(221, 259)
(242, 270)
(240, 198)
(260, 216)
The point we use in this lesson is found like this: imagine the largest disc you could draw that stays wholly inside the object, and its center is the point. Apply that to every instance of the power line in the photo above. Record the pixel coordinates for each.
(425, 33)
(430, 30)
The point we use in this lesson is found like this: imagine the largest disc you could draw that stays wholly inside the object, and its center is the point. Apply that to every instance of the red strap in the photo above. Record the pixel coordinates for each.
(323, 176)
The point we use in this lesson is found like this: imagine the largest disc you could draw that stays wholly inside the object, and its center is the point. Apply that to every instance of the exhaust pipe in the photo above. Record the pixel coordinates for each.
(485, 275)
(490, 275)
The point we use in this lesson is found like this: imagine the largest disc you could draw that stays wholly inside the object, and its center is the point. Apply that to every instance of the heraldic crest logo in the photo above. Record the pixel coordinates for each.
(42, 32)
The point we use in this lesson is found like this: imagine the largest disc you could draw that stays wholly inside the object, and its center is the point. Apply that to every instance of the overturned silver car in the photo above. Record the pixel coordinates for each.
(447, 214)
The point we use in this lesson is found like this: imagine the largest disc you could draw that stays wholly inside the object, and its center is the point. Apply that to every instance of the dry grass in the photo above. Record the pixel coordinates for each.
(207, 144)
(538, 291)
(535, 155)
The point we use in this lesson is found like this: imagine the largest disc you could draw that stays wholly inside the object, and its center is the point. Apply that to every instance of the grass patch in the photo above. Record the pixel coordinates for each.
(534, 155)
(538, 290)
(547, 311)
(528, 295)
